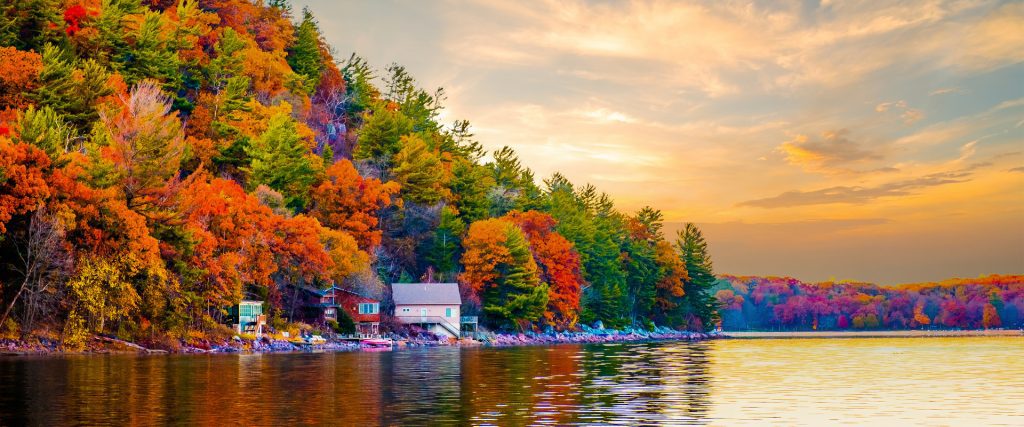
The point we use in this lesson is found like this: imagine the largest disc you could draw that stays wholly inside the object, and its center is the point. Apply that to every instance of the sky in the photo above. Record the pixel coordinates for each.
(876, 141)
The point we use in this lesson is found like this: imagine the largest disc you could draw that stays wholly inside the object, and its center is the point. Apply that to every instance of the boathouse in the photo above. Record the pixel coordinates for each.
(432, 306)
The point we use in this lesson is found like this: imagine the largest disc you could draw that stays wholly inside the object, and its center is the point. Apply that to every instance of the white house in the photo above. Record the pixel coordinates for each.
(433, 306)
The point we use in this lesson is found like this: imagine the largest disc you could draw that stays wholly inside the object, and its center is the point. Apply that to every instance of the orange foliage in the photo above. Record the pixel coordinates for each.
(19, 74)
(559, 266)
(485, 250)
(670, 287)
(348, 202)
(990, 317)
(23, 186)
(232, 231)
(919, 316)
(99, 222)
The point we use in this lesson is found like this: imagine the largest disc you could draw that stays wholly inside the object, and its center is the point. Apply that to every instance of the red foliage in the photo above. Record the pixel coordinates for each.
(23, 186)
(559, 266)
(984, 302)
(73, 16)
(348, 202)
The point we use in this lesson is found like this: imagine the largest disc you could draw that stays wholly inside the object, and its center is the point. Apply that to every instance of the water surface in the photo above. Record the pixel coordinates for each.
(813, 382)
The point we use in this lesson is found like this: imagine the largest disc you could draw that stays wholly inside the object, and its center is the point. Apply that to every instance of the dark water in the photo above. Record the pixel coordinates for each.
(899, 381)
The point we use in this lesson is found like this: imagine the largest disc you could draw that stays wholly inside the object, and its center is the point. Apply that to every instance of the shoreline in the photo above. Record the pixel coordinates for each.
(914, 333)
(100, 345)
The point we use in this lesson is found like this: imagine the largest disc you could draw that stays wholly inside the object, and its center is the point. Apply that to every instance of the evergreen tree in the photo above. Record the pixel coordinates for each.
(443, 250)
(304, 55)
(418, 171)
(281, 160)
(519, 296)
(71, 89)
(701, 303)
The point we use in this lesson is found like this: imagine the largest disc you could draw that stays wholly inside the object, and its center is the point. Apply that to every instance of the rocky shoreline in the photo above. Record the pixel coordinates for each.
(108, 345)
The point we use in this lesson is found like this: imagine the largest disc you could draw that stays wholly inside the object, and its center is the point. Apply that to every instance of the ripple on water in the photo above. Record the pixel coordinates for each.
(812, 382)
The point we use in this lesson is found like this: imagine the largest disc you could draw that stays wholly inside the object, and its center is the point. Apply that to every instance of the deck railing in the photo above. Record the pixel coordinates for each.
(454, 330)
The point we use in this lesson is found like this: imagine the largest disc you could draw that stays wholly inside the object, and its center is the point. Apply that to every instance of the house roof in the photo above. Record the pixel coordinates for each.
(426, 293)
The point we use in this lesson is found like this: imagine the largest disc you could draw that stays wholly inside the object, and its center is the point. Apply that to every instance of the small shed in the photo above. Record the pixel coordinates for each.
(247, 317)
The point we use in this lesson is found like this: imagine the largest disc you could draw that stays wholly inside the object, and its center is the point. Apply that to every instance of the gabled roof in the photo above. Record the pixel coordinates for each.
(426, 293)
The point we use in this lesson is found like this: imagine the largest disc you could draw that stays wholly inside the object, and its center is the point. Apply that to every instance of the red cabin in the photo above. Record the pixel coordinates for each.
(364, 311)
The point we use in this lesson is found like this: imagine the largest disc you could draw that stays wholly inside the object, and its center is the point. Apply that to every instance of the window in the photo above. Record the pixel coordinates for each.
(448, 312)
(370, 308)
(405, 310)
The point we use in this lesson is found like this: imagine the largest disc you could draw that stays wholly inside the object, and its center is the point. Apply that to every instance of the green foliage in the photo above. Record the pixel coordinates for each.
(519, 298)
(380, 136)
(71, 88)
(45, 129)
(443, 249)
(304, 55)
(418, 170)
(148, 54)
(699, 299)
(27, 24)
(282, 161)
(344, 324)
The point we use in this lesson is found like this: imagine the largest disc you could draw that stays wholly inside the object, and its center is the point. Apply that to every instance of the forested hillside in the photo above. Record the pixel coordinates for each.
(782, 303)
(162, 160)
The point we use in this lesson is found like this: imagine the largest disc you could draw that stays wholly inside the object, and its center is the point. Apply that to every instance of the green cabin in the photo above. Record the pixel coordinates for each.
(247, 317)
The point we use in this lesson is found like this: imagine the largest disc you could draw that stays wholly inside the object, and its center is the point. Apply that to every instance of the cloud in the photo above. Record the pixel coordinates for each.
(945, 91)
(832, 150)
(885, 106)
(1017, 169)
(909, 115)
(857, 194)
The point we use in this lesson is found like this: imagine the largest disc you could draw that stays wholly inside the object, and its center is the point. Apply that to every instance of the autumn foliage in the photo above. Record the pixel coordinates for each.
(785, 303)
(162, 160)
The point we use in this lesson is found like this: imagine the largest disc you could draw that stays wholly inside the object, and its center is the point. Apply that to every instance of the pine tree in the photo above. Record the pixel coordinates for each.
(701, 303)
(443, 250)
(71, 89)
(304, 55)
(282, 160)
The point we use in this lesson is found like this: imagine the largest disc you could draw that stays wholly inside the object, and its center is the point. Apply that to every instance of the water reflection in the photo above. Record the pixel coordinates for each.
(787, 382)
(552, 385)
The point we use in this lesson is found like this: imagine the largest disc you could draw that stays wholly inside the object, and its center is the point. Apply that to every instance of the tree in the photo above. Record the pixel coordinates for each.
(45, 129)
(694, 252)
(380, 137)
(42, 262)
(71, 88)
(670, 290)
(559, 266)
(100, 291)
(19, 76)
(348, 202)
(304, 55)
(417, 169)
(501, 276)
(143, 139)
(990, 317)
(281, 159)
(919, 316)
(443, 249)
(23, 185)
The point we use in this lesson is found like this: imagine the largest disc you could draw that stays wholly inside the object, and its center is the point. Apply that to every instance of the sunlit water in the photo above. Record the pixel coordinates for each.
(813, 382)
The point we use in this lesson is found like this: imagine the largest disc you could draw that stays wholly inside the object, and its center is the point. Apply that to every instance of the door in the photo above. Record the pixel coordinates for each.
(423, 315)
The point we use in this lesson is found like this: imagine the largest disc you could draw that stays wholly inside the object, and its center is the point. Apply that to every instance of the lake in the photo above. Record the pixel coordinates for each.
(812, 382)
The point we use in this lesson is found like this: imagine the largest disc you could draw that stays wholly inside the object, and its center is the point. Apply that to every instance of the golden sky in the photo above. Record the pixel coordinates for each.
(856, 140)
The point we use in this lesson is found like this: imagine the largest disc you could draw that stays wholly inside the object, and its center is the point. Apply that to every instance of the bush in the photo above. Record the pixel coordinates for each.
(345, 323)
(9, 330)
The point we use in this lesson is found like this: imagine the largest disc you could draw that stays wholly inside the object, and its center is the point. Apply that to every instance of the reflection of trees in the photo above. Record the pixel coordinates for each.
(421, 386)
(663, 383)
(645, 383)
